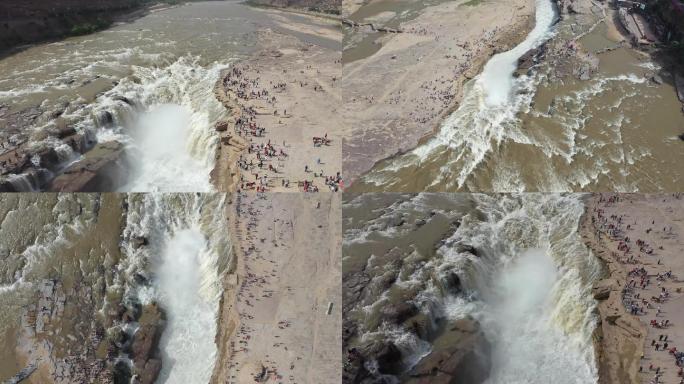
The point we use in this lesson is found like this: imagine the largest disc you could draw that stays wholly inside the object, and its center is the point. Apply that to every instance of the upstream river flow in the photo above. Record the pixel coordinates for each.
(147, 84)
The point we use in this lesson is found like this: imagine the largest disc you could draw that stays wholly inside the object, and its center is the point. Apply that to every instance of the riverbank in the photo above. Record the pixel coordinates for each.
(400, 95)
(638, 30)
(638, 237)
(282, 134)
(228, 317)
(281, 327)
(322, 7)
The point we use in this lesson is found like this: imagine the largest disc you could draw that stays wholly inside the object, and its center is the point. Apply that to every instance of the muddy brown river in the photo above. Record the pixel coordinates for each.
(146, 84)
(86, 275)
(359, 44)
(614, 131)
(417, 267)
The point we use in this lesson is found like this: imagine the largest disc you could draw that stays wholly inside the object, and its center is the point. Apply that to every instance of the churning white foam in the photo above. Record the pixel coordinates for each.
(529, 285)
(169, 113)
(187, 243)
(486, 115)
(188, 340)
(497, 76)
(529, 347)
(166, 161)
(533, 278)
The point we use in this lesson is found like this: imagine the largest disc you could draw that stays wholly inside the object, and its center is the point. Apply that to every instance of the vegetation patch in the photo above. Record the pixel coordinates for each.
(89, 27)
(472, 3)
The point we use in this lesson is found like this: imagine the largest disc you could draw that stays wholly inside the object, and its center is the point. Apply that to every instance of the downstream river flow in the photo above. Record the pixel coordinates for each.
(497, 285)
(594, 114)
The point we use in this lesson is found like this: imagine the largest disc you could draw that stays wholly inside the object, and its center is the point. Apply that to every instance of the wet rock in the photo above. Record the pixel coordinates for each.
(69, 136)
(150, 372)
(144, 342)
(466, 248)
(123, 99)
(105, 118)
(146, 338)
(679, 85)
(139, 241)
(601, 293)
(77, 142)
(421, 325)
(64, 130)
(7, 186)
(468, 325)
(420, 222)
(132, 310)
(349, 329)
(384, 281)
(452, 283)
(529, 60)
(385, 356)
(140, 279)
(121, 372)
(354, 369)
(354, 284)
(657, 79)
(56, 113)
(399, 312)
(48, 157)
(102, 168)
(396, 221)
(612, 319)
(681, 137)
(26, 181)
(388, 357)
(461, 354)
(117, 337)
(221, 126)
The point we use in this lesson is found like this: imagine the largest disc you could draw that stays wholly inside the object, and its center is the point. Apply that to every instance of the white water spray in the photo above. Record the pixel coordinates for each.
(529, 347)
(191, 313)
(188, 250)
(496, 80)
(529, 284)
(166, 162)
(168, 120)
(485, 117)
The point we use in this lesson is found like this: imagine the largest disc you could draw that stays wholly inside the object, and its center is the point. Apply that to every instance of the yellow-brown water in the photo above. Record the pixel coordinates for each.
(72, 264)
(516, 263)
(616, 131)
(115, 84)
